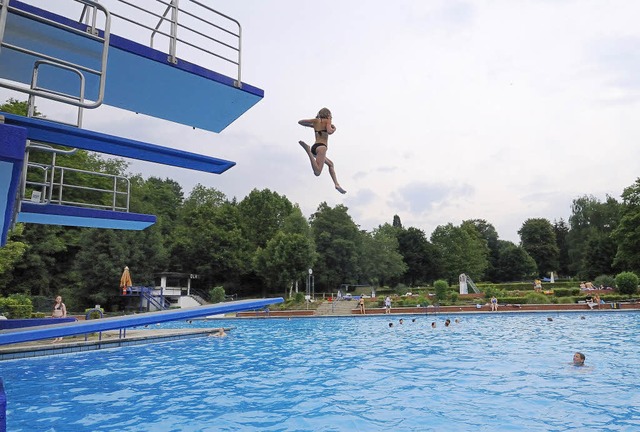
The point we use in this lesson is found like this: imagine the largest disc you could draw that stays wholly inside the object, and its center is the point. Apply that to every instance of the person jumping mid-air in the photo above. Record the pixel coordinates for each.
(322, 128)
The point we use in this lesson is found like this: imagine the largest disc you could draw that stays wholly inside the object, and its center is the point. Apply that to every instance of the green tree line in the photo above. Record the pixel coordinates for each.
(263, 245)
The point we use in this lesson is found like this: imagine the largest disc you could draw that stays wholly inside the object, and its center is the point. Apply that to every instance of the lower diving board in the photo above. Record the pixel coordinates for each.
(114, 323)
(55, 214)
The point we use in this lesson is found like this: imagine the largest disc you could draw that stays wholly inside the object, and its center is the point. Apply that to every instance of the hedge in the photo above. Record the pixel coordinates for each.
(16, 306)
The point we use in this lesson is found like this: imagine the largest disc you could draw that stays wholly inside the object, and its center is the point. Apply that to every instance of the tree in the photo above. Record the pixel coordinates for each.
(396, 222)
(539, 240)
(98, 267)
(627, 233)
(461, 250)
(380, 260)
(490, 235)
(590, 219)
(209, 240)
(600, 260)
(14, 106)
(285, 259)
(561, 229)
(514, 263)
(11, 254)
(419, 255)
(262, 215)
(337, 240)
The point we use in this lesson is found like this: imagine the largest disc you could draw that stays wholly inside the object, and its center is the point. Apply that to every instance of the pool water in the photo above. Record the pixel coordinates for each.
(494, 372)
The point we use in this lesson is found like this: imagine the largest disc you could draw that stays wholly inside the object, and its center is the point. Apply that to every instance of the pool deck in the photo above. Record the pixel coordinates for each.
(108, 339)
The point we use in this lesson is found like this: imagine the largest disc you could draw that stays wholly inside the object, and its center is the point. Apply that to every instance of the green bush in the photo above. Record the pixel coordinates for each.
(401, 289)
(566, 292)
(605, 281)
(627, 283)
(93, 313)
(565, 300)
(217, 294)
(536, 298)
(16, 306)
(441, 286)
(511, 300)
(299, 297)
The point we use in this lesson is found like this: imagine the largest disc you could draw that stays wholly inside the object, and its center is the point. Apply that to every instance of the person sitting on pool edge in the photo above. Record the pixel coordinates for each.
(578, 359)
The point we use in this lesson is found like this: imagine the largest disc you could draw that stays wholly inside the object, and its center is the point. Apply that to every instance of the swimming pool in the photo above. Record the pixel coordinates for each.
(499, 372)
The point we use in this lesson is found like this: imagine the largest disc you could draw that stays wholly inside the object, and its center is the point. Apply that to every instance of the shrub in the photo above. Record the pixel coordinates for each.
(424, 301)
(566, 300)
(627, 283)
(16, 306)
(441, 286)
(605, 281)
(511, 300)
(536, 298)
(94, 314)
(453, 297)
(299, 297)
(217, 294)
(566, 292)
(401, 289)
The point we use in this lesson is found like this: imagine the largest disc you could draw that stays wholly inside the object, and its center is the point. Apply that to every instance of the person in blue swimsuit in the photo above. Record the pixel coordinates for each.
(322, 128)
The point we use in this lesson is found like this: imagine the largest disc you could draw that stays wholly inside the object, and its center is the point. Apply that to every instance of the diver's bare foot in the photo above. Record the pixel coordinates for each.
(305, 146)
(339, 189)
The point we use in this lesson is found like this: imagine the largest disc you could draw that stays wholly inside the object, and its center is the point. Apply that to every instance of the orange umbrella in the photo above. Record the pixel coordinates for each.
(125, 280)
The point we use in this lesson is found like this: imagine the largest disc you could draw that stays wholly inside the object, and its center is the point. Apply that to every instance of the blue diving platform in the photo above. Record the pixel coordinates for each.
(137, 78)
(82, 327)
(56, 214)
(13, 141)
(16, 130)
(65, 135)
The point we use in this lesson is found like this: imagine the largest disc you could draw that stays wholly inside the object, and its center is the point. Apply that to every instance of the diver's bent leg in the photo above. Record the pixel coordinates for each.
(314, 164)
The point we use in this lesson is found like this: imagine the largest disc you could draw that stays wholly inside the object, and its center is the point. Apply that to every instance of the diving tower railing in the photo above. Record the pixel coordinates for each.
(57, 185)
(219, 38)
(34, 49)
(126, 73)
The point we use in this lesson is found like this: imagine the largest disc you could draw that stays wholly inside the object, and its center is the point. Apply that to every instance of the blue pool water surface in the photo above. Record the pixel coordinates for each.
(500, 372)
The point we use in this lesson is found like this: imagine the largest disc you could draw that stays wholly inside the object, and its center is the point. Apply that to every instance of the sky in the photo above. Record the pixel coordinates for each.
(446, 110)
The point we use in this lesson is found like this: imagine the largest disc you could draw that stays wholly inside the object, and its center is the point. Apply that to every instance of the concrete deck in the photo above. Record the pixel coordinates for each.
(95, 341)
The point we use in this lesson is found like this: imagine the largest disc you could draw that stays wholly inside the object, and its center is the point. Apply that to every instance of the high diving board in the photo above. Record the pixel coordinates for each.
(81, 327)
(138, 78)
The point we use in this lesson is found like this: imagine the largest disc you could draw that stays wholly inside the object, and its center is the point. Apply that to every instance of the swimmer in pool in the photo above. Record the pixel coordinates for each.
(220, 333)
(578, 359)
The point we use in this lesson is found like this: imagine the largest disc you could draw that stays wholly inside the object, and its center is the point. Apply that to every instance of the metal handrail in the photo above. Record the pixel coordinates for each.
(54, 186)
(232, 28)
(91, 32)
